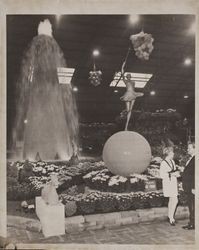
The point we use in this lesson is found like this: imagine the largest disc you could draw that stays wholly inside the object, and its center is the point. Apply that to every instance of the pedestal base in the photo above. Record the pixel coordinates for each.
(52, 218)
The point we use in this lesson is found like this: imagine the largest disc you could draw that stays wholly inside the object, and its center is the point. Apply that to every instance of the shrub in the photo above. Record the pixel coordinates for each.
(25, 172)
(19, 192)
(106, 204)
(72, 190)
(124, 202)
(70, 208)
(86, 206)
(156, 199)
(11, 181)
(12, 170)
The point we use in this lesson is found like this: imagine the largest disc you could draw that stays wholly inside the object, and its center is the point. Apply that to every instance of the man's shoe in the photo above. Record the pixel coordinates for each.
(189, 227)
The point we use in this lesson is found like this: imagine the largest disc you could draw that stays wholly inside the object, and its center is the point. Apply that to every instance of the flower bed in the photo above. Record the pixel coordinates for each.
(104, 192)
(103, 202)
(104, 180)
(26, 179)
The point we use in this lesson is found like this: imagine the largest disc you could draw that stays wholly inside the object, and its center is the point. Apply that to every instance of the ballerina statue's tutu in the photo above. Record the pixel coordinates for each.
(130, 95)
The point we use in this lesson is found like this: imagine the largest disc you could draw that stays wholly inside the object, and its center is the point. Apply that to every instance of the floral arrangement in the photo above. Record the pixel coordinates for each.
(67, 176)
(116, 179)
(154, 170)
(95, 77)
(104, 180)
(142, 44)
(64, 197)
(116, 183)
(105, 192)
(36, 174)
(38, 181)
(96, 178)
(45, 169)
(102, 202)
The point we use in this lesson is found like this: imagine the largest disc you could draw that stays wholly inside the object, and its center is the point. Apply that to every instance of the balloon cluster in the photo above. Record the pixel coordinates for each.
(142, 44)
(95, 77)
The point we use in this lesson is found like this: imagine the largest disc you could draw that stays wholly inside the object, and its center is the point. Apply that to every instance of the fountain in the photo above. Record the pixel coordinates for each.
(46, 116)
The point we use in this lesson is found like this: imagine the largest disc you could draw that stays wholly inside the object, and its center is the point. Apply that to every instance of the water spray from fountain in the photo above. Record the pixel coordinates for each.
(48, 107)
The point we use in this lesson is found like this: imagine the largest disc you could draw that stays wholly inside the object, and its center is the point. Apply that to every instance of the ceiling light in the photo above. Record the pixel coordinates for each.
(187, 61)
(65, 75)
(25, 121)
(134, 18)
(115, 91)
(140, 79)
(186, 96)
(96, 52)
(152, 92)
(75, 89)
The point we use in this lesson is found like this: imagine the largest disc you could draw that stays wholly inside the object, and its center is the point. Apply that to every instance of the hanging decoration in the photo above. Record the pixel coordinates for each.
(142, 44)
(95, 76)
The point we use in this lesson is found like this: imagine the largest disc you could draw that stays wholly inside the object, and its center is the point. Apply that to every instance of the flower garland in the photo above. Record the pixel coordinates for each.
(142, 44)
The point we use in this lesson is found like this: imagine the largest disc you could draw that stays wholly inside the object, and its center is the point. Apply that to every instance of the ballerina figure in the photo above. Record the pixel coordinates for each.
(130, 95)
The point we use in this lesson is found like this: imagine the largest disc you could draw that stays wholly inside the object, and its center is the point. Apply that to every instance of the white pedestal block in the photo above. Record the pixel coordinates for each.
(52, 218)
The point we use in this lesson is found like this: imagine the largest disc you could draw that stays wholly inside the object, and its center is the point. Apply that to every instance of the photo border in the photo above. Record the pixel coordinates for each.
(88, 7)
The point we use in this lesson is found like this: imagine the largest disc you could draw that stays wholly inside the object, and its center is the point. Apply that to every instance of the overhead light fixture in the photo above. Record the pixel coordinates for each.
(75, 89)
(96, 52)
(134, 18)
(186, 96)
(140, 79)
(25, 121)
(115, 91)
(152, 92)
(187, 61)
(65, 75)
(192, 29)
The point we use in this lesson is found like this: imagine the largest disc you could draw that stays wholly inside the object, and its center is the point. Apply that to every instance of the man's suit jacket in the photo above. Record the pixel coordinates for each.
(188, 176)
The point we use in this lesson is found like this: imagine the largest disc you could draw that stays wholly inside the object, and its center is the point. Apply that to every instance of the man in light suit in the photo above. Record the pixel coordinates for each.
(188, 184)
